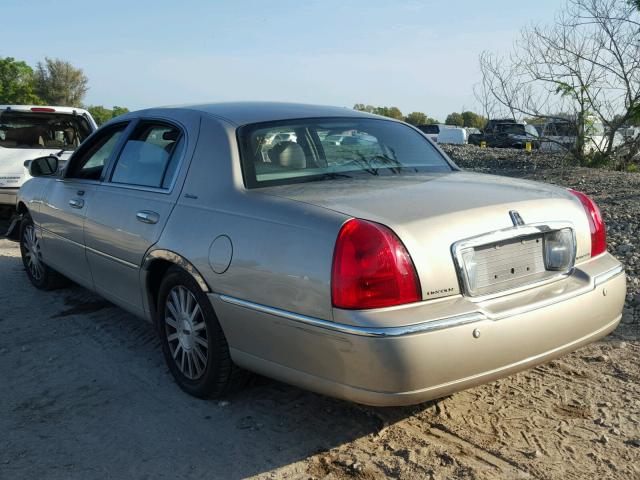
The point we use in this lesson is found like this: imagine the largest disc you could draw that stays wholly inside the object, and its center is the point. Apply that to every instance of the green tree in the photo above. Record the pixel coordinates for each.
(472, 119)
(99, 113)
(416, 118)
(394, 112)
(364, 108)
(391, 112)
(455, 118)
(16, 83)
(117, 111)
(102, 115)
(58, 82)
(419, 118)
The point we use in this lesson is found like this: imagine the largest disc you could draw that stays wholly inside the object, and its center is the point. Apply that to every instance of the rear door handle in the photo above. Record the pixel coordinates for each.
(76, 203)
(146, 216)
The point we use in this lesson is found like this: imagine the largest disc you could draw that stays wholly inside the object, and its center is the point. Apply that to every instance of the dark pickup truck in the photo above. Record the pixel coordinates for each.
(507, 133)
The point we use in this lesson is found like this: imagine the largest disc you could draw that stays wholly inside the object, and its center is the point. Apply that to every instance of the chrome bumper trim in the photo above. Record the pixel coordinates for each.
(429, 326)
(608, 275)
(422, 327)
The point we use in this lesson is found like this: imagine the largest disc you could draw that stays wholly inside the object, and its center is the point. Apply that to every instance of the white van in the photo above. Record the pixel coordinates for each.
(32, 131)
(454, 135)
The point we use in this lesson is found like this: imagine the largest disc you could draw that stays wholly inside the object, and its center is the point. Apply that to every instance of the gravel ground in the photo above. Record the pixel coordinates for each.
(85, 394)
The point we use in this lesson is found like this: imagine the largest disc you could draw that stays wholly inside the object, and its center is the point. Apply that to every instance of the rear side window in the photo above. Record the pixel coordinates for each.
(150, 156)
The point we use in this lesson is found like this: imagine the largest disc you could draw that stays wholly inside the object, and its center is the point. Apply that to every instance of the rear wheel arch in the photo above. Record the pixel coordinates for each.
(21, 208)
(156, 265)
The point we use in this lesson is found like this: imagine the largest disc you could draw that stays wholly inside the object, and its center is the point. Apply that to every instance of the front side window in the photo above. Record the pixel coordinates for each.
(40, 130)
(327, 149)
(90, 160)
(150, 156)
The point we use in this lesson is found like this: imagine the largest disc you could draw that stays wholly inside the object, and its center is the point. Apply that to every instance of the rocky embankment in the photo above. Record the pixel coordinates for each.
(616, 193)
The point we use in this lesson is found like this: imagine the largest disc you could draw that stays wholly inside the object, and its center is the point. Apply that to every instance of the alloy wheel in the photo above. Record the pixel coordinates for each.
(32, 254)
(186, 332)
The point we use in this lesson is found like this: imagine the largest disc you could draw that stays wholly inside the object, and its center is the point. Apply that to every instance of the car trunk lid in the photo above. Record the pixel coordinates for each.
(430, 213)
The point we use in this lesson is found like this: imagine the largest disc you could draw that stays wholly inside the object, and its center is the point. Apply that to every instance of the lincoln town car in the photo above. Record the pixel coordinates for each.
(327, 248)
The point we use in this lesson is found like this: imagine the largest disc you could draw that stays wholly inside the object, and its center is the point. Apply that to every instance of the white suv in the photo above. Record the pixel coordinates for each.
(31, 131)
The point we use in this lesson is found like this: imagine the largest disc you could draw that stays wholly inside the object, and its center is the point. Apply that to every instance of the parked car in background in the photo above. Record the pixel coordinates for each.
(507, 133)
(560, 134)
(453, 135)
(431, 131)
(29, 131)
(373, 270)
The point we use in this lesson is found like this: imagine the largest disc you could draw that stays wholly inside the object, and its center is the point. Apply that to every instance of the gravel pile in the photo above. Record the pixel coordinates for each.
(616, 193)
(490, 159)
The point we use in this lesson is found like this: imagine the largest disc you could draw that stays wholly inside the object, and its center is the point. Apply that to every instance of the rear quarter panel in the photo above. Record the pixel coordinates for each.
(282, 250)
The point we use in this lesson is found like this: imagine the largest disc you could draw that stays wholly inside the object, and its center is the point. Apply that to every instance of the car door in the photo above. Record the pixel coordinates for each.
(64, 205)
(130, 208)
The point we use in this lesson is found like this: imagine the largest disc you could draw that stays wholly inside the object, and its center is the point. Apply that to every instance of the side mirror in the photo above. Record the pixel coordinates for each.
(43, 166)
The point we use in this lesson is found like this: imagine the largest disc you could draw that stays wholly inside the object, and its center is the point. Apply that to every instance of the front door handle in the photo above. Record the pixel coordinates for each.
(76, 203)
(146, 216)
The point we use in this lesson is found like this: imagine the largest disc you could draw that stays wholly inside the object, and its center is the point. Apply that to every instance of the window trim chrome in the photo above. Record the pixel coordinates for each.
(511, 233)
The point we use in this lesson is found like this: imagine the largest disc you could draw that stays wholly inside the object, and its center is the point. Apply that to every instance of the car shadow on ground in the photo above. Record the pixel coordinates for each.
(88, 393)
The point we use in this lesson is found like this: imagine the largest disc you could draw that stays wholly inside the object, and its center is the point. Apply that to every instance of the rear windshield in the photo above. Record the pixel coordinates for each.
(328, 149)
(42, 130)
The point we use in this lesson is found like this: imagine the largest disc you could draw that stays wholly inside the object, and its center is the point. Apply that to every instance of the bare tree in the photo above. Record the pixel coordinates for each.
(485, 98)
(614, 28)
(584, 64)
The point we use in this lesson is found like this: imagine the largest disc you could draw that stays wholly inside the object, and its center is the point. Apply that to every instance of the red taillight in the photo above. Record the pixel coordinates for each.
(43, 109)
(596, 223)
(371, 268)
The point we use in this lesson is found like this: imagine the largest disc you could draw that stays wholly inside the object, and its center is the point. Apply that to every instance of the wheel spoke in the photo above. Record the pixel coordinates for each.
(177, 350)
(202, 342)
(196, 362)
(200, 355)
(174, 301)
(182, 357)
(171, 322)
(194, 313)
(183, 300)
(172, 337)
(188, 302)
(173, 311)
(190, 363)
(199, 326)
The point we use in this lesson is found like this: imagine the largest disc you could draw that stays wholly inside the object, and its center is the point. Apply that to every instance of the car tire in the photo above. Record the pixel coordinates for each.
(194, 345)
(41, 275)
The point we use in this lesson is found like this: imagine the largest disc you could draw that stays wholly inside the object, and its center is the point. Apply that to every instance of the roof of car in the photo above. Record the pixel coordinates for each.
(242, 113)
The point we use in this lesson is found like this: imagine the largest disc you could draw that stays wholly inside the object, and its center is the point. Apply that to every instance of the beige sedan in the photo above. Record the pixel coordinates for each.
(331, 249)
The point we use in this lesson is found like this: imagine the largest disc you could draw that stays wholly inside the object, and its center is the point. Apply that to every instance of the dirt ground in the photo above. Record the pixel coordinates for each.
(84, 393)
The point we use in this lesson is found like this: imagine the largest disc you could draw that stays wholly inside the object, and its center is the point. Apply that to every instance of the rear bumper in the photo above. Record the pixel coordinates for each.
(389, 357)
(8, 196)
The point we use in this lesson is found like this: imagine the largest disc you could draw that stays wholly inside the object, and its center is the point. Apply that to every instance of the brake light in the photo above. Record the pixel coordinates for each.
(371, 268)
(596, 223)
(43, 109)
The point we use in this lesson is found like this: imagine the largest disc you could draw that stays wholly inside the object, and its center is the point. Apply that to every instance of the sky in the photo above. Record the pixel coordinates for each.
(416, 55)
